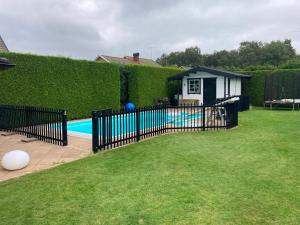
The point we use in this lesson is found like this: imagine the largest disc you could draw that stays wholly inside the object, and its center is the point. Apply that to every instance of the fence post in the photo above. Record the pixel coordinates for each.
(228, 110)
(95, 132)
(64, 128)
(203, 118)
(103, 144)
(236, 116)
(165, 117)
(137, 113)
(110, 128)
(232, 114)
(27, 128)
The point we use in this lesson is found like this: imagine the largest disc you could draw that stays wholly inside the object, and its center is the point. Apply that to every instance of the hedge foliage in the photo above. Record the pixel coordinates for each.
(75, 85)
(81, 86)
(146, 85)
(283, 84)
(255, 87)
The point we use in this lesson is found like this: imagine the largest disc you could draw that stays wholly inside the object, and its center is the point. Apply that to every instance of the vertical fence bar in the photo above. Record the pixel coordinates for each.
(113, 125)
(128, 118)
(137, 112)
(236, 114)
(203, 117)
(127, 126)
(103, 116)
(64, 128)
(95, 131)
(122, 127)
(110, 128)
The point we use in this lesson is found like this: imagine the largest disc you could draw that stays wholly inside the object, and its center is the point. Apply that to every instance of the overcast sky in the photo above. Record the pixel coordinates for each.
(86, 28)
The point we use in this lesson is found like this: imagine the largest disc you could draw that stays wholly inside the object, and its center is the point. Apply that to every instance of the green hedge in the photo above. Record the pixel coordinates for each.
(75, 85)
(255, 87)
(147, 84)
(283, 84)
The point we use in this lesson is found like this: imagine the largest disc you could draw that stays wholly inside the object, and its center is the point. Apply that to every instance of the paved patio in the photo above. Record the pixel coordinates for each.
(42, 155)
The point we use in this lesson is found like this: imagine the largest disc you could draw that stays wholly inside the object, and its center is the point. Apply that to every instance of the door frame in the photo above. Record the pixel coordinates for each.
(205, 91)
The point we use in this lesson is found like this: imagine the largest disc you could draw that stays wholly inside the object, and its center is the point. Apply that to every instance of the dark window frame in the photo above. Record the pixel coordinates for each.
(188, 86)
(228, 91)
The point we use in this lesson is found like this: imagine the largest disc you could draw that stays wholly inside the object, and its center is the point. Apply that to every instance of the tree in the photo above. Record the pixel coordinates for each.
(190, 57)
(278, 52)
(163, 60)
(221, 59)
(249, 54)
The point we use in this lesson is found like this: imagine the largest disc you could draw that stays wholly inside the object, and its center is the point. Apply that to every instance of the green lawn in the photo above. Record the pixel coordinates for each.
(248, 175)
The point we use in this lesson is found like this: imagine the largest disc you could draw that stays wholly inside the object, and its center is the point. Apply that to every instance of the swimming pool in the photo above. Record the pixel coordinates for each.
(126, 123)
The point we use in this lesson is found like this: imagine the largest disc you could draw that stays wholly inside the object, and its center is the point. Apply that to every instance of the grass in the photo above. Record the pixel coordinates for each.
(248, 175)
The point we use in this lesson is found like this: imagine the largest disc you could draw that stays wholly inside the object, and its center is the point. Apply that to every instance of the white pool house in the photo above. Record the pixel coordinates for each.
(203, 85)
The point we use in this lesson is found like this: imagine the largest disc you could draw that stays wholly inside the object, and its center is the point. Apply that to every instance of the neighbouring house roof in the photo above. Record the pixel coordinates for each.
(3, 47)
(127, 60)
(216, 72)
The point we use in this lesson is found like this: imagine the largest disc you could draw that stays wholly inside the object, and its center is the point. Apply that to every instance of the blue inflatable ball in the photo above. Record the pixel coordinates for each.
(130, 106)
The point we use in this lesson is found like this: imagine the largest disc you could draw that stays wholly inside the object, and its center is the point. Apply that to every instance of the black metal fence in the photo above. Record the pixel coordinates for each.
(243, 102)
(113, 128)
(46, 124)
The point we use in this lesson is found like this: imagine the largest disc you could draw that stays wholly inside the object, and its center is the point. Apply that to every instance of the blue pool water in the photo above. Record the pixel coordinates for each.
(122, 124)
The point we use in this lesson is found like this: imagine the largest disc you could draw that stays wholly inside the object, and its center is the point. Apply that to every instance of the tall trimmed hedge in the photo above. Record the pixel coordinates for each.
(255, 87)
(283, 85)
(75, 85)
(146, 85)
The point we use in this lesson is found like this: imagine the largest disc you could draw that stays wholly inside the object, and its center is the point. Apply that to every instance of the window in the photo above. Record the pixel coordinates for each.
(194, 86)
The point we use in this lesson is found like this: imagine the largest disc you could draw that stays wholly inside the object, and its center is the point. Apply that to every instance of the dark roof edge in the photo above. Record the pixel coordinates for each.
(216, 72)
(6, 66)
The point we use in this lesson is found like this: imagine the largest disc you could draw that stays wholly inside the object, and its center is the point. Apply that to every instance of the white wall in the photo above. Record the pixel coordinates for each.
(200, 75)
(220, 87)
(235, 86)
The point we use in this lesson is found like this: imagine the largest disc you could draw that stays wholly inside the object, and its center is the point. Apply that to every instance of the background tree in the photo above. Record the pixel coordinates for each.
(163, 60)
(193, 57)
(190, 57)
(277, 52)
(221, 59)
(249, 54)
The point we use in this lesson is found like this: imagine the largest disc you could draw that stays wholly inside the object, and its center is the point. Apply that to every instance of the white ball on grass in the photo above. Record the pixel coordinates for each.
(15, 160)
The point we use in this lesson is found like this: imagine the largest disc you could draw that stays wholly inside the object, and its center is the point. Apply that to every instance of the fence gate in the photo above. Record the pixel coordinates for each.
(112, 128)
(45, 124)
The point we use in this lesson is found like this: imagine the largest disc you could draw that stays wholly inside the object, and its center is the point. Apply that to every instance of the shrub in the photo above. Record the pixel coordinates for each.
(148, 84)
(77, 86)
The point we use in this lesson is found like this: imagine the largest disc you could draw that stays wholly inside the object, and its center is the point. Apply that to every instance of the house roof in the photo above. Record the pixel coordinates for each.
(3, 47)
(127, 60)
(216, 72)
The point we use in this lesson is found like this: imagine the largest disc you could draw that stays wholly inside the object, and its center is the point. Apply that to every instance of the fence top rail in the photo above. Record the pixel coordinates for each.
(113, 112)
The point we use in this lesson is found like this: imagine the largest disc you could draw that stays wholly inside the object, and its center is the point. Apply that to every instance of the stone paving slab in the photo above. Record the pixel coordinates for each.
(42, 155)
